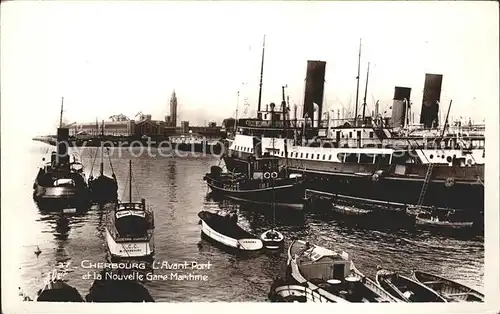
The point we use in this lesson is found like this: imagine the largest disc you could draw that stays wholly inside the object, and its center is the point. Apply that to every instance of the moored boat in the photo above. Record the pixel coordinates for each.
(406, 289)
(263, 184)
(449, 289)
(56, 290)
(103, 189)
(225, 230)
(331, 274)
(429, 221)
(283, 291)
(117, 289)
(61, 183)
(130, 228)
(272, 239)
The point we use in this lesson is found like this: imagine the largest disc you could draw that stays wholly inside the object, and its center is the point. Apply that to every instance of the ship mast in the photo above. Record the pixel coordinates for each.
(366, 90)
(285, 138)
(261, 75)
(102, 151)
(357, 86)
(130, 183)
(61, 115)
(236, 115)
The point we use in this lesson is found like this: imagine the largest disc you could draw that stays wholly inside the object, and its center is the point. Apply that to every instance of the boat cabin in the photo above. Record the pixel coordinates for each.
(325, 265)
(131, 220)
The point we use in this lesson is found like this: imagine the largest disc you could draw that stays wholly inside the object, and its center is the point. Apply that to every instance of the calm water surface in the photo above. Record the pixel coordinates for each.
(174, 187)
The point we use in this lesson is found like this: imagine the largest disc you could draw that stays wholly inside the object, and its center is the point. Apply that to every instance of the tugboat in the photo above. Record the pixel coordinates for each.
(264, 184)
(61, 183)
(103, 189)
(130, 229)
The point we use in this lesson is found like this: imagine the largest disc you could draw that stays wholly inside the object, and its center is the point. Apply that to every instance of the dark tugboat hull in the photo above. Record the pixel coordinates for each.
(58, 198)
(288, 194)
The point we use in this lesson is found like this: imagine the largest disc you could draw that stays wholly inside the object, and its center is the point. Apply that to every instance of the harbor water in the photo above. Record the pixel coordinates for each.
(174, 187)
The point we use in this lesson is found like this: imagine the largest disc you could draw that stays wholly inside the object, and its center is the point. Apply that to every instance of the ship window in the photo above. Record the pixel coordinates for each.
(431, 156)
(366, 158)
(330, 157)
(371, 134)
(324, 156)
(351, 158)
(448, 159)
(301, 154)
(307, 155)
(317, 156)
(282, 153)
(350, 134)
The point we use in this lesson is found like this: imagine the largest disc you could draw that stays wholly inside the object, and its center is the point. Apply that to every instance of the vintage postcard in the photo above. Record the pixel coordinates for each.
(250, 152)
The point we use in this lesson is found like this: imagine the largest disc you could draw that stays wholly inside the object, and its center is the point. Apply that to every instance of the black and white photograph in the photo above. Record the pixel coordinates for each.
(250, 152)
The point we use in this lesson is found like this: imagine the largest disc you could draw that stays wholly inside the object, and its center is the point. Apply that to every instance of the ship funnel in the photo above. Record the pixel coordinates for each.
(62, 156)
(430, 101)
(315, 84)
(400, 106)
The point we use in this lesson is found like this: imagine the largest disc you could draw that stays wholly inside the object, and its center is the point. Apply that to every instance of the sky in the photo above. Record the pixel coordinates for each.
(107, 58)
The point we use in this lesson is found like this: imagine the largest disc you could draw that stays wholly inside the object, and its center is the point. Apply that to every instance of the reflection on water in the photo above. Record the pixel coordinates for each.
(174, 188)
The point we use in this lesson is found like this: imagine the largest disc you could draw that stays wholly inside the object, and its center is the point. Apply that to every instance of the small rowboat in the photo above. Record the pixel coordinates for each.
(225, 230)
(272, 239)
(406, 289)
(350, 210)
(426, 220)
(451, 290)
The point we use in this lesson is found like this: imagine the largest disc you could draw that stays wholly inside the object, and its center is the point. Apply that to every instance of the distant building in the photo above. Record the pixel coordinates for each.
(115, 128)
(173, 110)
(184, 126)
(212, 124)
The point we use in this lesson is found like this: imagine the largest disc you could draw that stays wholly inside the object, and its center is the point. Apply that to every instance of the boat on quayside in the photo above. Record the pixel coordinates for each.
(224, 229)
(332, 275)
(130, 229)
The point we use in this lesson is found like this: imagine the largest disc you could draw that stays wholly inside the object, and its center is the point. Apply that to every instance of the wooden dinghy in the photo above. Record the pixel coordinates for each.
(406, 289)
(331, 275)
(426, 220)
(225, 230)
(449, 289)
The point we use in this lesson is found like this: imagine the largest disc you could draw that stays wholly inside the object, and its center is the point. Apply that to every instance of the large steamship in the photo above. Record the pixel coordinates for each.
(375, 159)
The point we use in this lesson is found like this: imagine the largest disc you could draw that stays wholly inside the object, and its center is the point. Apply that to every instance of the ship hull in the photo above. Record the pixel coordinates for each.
(288, 194)
(56, 198)
(122, 250)
(465, 192)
